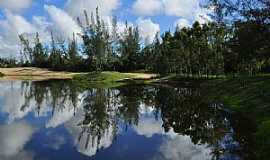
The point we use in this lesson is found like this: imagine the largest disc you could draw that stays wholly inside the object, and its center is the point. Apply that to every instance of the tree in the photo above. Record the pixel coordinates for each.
(39, 54)
(74, 59)
(96, 41)
(130, 48)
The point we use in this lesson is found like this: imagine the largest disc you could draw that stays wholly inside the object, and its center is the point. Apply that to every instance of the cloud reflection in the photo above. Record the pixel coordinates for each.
(13, 138)
(181, 148)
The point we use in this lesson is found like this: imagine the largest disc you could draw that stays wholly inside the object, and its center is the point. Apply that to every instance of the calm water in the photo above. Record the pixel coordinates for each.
(57, 120)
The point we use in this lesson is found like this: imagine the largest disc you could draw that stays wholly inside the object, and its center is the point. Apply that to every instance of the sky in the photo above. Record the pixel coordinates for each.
(59, 16)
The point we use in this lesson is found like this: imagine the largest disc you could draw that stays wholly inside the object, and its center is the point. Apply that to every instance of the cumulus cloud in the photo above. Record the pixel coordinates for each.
(75, 8)
(187, 11)
(147, 29)
(12, 145)
(14, 24)
(62, 22)
(15, 5)
(10, 28)
(151, 7)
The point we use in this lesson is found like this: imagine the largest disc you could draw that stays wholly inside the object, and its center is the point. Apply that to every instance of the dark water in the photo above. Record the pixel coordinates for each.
(60, 121)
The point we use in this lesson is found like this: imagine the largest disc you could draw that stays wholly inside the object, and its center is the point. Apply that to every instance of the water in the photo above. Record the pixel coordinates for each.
(58, 120)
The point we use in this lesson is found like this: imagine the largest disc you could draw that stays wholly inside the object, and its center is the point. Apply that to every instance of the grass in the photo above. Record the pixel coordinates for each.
(112, 79)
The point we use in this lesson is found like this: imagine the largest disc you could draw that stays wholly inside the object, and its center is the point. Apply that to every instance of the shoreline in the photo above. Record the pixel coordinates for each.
(32, 73)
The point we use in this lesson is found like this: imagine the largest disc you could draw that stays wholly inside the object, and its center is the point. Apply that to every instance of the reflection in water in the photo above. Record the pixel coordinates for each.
(13, 139)
(185, 121)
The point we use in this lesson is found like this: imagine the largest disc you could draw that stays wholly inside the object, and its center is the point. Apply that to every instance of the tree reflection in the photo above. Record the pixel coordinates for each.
(186, 110)
(99, 115)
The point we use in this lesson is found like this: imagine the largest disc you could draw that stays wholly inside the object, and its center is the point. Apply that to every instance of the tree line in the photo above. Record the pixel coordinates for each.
(227, 45)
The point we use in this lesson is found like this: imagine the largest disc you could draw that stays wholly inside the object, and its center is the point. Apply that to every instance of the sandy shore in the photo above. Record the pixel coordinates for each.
(31, 73)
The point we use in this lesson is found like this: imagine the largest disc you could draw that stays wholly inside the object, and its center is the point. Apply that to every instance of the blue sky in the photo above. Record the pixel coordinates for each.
(43, 16)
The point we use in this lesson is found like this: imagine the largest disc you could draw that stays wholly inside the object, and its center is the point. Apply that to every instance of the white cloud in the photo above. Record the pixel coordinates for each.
(202, 16)
(62, 22)
(10, 28)
(150, 7)
(181, 23)
(181, 8)
(75, 8)
(15, 5)
(15, 24)
(12, 145)
(147, 29)
(187, 11)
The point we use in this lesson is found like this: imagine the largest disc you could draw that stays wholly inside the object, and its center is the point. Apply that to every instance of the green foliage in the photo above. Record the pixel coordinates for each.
(195, 51)
(235, 47)
(130, 49)
(96, 44)
(8, 62)
(39, 54)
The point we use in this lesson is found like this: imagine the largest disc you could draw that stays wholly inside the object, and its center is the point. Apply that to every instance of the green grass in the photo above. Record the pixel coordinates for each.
(108, 79)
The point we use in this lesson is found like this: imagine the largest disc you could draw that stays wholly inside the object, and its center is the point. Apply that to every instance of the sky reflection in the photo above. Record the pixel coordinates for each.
(58, 120)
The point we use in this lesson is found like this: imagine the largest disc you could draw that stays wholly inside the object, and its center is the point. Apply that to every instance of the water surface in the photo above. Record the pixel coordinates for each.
(54, 120)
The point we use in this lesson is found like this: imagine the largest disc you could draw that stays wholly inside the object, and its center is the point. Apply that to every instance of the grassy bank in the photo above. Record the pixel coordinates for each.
(112, 79)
